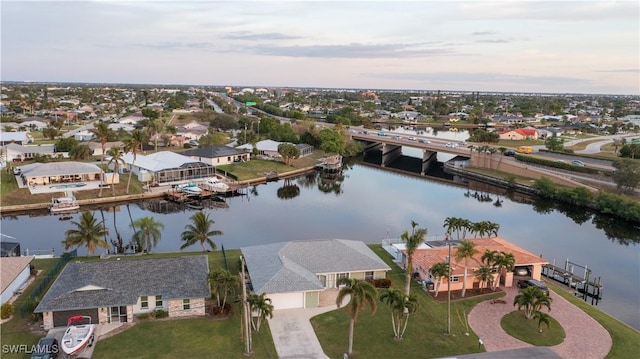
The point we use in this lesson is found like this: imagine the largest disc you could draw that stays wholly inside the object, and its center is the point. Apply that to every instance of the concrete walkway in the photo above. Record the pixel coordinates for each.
(293, 335)
(585, 337)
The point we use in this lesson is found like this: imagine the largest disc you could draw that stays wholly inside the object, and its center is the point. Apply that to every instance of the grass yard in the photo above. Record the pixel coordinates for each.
(186, 338)
(257, 168)
(426, 332)
(626, 340)
(518, 326)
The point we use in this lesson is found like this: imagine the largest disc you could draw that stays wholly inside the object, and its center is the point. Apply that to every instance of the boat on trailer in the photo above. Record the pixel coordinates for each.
(78, 334)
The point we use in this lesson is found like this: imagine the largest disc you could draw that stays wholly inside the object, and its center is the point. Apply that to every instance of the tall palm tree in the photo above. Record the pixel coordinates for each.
(199, 231)
(412, 241)
(532, 299)
(401, 306)
(453, 224)
(133, 145)
(484, 275)
(260, 305)
(102, 131)
(88, 232)
(465, 250)
(439, 270)
(503, 261)
(361, 294)
(115, 158)
(222, 283)
(148, 234)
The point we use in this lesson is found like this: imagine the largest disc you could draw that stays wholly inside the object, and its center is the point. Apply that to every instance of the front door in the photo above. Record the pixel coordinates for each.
(118, 314)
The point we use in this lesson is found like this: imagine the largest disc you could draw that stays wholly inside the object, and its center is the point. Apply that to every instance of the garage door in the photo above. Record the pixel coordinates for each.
(60, 318)
(287, 300)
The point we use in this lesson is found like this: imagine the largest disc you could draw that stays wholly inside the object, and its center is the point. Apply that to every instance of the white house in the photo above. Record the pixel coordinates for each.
(265, 148)
(15, 272)
(84, 136)
(21, 138)
(305, 274)
(166, 167)
(217, 155)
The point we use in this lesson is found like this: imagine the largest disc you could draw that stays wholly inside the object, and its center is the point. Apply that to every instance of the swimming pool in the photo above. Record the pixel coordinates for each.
(70, 185)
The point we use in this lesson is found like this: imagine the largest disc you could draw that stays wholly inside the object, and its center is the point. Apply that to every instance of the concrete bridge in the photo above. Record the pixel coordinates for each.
(391, 144)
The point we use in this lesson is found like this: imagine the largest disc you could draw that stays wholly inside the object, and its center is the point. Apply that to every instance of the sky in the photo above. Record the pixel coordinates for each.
(504, 46)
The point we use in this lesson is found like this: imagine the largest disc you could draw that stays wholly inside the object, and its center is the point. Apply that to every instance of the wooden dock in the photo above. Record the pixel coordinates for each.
(576, 276)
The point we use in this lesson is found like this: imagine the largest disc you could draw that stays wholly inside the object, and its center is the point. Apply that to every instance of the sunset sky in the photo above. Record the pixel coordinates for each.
(539, 46)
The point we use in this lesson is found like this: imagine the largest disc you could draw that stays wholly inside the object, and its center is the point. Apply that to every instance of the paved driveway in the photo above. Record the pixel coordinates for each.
(293, 335)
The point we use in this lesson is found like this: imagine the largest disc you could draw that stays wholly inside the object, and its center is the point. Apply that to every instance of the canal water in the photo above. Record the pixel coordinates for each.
(370, 204)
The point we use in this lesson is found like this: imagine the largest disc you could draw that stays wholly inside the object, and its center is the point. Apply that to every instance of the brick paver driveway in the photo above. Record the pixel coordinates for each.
(585, 337)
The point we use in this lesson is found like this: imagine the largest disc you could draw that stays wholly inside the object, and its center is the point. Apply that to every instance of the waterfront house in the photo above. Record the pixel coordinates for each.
(59, 172)
(438, 251)
(115, 290)
(268, 148)
(166, 167)
(304, 274)
(14, 273)
(217, 155)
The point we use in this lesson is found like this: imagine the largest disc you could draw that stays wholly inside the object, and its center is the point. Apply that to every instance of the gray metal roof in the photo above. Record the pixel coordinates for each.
(58, 169)
(213, 152)
(294, 266)
(118, 283)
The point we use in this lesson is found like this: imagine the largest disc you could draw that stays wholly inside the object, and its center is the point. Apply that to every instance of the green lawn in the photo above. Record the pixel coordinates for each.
(257, 168)
(518, 326)
(425, 336)
(186, 338)
(626, 340)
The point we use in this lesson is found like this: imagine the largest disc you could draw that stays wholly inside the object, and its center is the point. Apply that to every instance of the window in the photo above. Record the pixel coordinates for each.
(341, 276)
(158, 301)
(368, 275)
(323, 280)
(186, 304)
(144, 302)
(455, 279)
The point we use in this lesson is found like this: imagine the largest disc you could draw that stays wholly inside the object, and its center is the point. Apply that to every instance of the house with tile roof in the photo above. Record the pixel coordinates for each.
(14, 273)
(116, 290)
(519, 134)
(217, 155)
(438, 252)
(304, 274)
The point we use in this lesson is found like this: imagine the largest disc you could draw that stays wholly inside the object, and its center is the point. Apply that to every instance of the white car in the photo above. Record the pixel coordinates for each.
(411, 138)
(451, 144)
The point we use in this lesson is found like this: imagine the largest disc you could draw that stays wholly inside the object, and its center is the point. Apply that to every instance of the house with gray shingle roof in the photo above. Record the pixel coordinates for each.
(116, 290)
(304, 274)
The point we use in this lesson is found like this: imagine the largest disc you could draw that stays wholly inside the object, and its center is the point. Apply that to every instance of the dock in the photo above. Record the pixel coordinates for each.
(576, 276)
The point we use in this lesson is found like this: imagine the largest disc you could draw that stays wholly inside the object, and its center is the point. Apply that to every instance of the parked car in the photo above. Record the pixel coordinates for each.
(509, 153)
(524, 283)
(578, 163)
(47, 348)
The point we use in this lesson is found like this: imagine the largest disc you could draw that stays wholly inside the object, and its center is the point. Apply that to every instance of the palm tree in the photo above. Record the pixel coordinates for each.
(401, 306)
(102, 131)
(492, 229)
(542, 318)
(465, 250)
(199, 231)
(88, 232)
(116, 157)
(133, 145)
(412, 241)
(453, 224)
(360, 295)
(506, 261)
(532, 299)
(222, 283)
(484, 275)
(260, 305)
(148, 234)
(438, 271)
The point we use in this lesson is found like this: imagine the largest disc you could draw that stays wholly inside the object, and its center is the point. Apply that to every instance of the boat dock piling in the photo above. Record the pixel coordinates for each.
(585, 284)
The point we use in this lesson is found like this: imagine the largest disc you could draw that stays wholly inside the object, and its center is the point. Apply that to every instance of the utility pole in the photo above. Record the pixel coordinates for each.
(449, 293)
(248, 349)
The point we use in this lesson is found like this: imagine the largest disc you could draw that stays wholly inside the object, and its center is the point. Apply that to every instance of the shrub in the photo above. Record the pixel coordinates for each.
(160, 313)
(143, 316)
(6, 310)
(380, 282)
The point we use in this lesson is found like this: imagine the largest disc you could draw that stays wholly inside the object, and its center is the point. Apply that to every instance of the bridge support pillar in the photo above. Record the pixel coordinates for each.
(390, 153)
(428, 158)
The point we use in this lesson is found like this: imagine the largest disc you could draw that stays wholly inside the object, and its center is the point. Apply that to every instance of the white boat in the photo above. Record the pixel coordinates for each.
(215, 184)
(189, 188)
(64, 204)
(78, 334)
